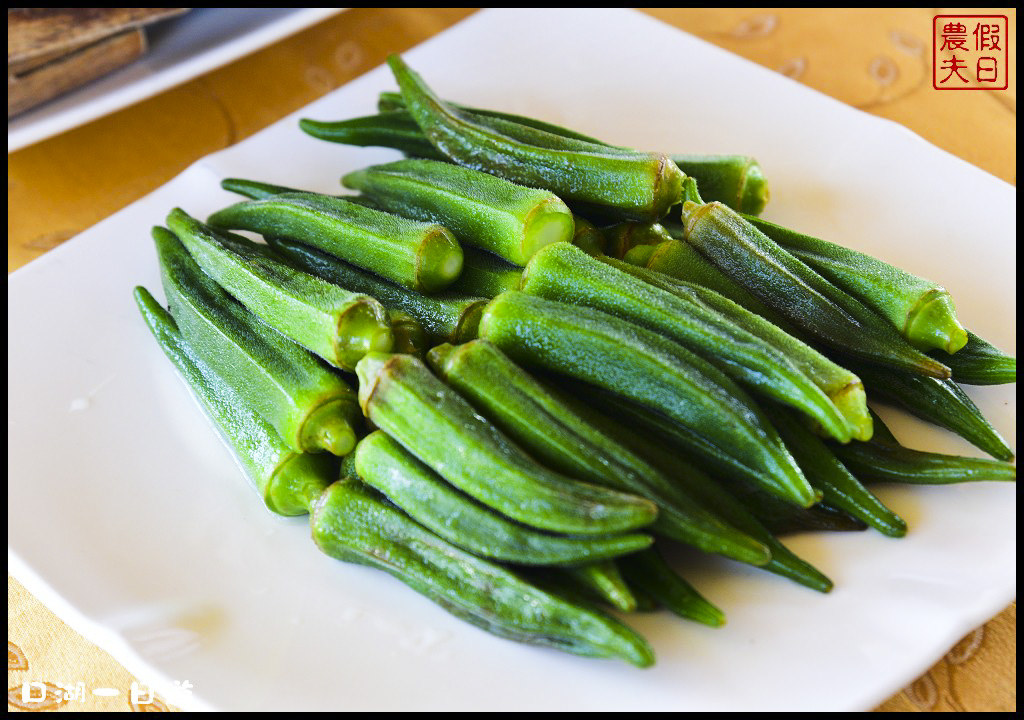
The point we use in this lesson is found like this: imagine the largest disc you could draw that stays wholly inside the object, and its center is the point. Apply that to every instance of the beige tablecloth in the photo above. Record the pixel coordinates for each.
(876, 60)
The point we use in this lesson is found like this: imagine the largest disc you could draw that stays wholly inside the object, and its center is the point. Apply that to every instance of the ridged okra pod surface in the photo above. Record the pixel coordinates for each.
(921, 310)
(420, 256)
(433, 422)
(734, 180)
(351, 524)
(482, 210)
(287, 481)
(338, 325)
(567, 274)
(311, 407)
(980, 363)
(791, 288)
(547, 428)
(636, 186)
(646, 368)
(385, 465)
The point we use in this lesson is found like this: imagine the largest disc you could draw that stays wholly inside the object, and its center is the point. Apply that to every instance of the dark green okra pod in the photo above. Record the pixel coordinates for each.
(885, 462)
(649, 572)
(433, 422)
(719, 418)
(486, 275)
(736, 180)
(842, 387)
(311, 407)
(289, 482)
(659, 444)
(446, 316)
(420, 256)
(255, 189)
(921, 310)
(537, 419)
(393, 130)
(338, 325)
(980, 363)
(352, 525)
(941, 402)
(790, 287)
(567, 274)
(488, 212)
(604, 582)
(385, 465)
(636, 186)
(824, 471)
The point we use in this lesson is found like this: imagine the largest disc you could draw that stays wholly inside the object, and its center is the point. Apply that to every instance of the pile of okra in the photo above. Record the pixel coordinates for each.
(521, 363)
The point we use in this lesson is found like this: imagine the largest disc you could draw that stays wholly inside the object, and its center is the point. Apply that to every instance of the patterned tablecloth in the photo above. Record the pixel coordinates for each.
(877, 60)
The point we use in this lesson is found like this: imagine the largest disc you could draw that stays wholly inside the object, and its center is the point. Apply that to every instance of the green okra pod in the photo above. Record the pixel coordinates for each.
(420, 256)
(486, 275)
(337, 325)
(636, 363)
(843, 388)
(887, 462)
(565, 273)
(312, 408)
(427, 498)
(289, 482)
(255, 189)
(941, 402)
(393, 130)
(482, 210)
(795, 291)
(782, 519)
(433, 422)
(541, 422)
(980, 363)
(649, 572)
(735, 180)
(352, 525)
(635, 186)
(587, 237)
(921, 310)
(604, 581)
(623, 237)
(446, 316)
(659, 444)
(838, 486)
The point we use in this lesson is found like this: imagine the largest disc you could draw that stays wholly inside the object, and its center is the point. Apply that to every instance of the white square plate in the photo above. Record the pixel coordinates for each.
(129, 518)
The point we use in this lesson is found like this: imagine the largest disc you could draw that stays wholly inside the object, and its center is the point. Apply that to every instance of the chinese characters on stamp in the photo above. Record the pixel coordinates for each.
(970, 52)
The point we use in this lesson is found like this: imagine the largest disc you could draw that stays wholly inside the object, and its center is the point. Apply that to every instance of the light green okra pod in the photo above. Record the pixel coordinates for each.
(351, 524)
(541, 422)
(338, 325)
(385, 465)
(287, 481)
(482, 210)
(433, 422)
(567, 274)
(420, 256)
(311, 407)
(921, 310)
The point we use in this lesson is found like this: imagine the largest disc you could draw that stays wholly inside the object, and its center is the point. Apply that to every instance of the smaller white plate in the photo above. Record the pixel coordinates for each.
(179, 50)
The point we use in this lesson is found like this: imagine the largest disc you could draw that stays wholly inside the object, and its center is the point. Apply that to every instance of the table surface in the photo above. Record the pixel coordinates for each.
(875, 60)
